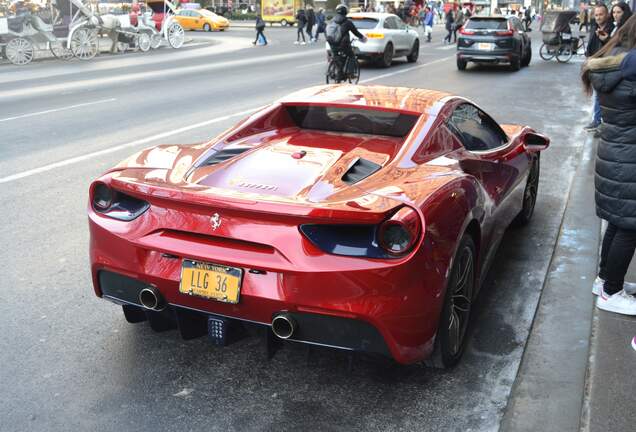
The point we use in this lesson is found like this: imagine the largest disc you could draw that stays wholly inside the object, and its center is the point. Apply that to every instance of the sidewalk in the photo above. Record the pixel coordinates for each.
(577, 370)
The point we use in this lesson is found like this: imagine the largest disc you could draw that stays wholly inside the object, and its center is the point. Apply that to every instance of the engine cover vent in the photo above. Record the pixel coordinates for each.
(223, 155)
(360, 170)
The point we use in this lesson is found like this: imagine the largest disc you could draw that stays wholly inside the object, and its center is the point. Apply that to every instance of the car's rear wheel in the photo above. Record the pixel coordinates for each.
(387, 56)
(528, 57)
(450, 340)
(284, 23)
(529, 195)
(461, 64)
(415, 52)
(515, 63)
(206, 27)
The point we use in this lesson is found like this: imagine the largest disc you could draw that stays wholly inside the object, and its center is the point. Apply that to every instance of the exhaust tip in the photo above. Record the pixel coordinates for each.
(283, 326)
(150, 298)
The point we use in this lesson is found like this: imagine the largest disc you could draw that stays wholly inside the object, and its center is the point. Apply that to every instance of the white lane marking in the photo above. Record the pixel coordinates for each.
(447, 47)
(324, 62)
(178, 71)
(375, 78)
(73, 160)
(58, 109)
(146, 140)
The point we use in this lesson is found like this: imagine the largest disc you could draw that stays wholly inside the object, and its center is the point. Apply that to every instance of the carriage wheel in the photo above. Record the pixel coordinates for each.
(546, 52)
(59, 50)
(19, 51)
(564, 54)
(143, 42)
(176, 35)
(155, 40)
(84, 44)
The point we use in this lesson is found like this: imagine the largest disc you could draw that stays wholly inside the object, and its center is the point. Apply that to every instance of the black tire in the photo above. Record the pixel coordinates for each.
(354, 77)
(564, 54)
(206, 27)
(461, 64)
(450, 340)
(515, 63)
(529, 195)
(415, 52)
(331, 76)
(527, 58)
(387, 56)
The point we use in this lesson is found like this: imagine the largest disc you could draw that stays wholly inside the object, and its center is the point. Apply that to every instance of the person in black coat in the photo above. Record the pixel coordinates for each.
(450, 25)
(260, 27)
(311, 21)
(612, 74)
(301, 21)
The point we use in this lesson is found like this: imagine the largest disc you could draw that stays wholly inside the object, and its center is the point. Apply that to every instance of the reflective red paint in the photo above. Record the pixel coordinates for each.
(264, 194)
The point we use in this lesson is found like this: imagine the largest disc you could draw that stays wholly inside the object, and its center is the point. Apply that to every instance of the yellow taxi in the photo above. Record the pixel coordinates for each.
(201, 19)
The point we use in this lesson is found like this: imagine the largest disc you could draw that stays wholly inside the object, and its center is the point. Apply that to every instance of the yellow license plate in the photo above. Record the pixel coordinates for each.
(485, 46)
(211, 281)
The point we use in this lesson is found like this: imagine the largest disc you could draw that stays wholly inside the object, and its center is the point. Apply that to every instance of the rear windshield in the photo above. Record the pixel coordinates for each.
(352, 120)
(487, 24)
(364, 23)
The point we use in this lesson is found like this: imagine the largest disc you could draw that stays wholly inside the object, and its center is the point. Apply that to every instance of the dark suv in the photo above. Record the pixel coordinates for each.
(493, 39)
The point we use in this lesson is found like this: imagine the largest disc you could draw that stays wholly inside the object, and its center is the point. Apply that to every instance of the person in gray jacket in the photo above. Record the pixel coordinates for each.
(612, 74)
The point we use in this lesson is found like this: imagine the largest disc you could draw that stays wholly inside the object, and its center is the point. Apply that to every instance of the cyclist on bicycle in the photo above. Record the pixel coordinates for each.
(338, 33)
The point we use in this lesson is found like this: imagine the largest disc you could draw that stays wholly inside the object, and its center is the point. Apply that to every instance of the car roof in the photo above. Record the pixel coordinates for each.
(404, 99)
(375, 15)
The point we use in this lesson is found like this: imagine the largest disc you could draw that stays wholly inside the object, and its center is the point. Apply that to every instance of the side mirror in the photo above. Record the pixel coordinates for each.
(534, 142)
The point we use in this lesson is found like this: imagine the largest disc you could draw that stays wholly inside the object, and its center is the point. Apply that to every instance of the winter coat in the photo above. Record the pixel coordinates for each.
(320, 21)
(595, 43)
(450, 21)
(301, 18)
(311, 18)
(614, 79)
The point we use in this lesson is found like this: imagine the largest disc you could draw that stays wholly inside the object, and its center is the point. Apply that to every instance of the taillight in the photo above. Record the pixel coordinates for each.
(399, 234)
(102, 197)
(116, 205)
(505, 33)
(463, 31)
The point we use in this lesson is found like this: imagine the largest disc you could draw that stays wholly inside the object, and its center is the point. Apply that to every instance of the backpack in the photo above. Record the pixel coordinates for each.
(333, 33)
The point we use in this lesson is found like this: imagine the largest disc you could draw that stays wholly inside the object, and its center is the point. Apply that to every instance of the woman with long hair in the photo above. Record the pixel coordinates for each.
(611, 72)
(620, 14)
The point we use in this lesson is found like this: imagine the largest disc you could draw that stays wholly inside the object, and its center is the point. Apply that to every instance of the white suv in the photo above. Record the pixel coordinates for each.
(387, 37)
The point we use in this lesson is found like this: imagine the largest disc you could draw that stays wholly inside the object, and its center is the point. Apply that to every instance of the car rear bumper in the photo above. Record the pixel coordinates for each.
(499, 56)
(391, 309)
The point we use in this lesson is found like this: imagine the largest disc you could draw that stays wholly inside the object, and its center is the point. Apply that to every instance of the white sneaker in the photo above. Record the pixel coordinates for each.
(634, 342)
(296, 43)
(628, 287)
(303, 43)
(620, 302)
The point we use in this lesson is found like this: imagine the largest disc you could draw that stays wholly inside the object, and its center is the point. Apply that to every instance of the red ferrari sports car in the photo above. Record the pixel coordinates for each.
(362, 218)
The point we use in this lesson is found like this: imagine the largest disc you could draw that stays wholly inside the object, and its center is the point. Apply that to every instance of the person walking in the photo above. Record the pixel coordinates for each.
(311, 21)
(301, 21)
(459, 22)
(620, 13)
(260, 28)
(599, 35)
(584, 19)
(449, 21)
(429, 19)
(611, 72)
(321, 23)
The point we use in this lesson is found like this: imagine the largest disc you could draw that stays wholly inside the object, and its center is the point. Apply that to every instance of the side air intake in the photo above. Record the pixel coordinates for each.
(360, 170)
(223, 155)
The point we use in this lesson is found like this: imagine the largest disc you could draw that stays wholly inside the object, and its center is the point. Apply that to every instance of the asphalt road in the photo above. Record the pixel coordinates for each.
(69, 361)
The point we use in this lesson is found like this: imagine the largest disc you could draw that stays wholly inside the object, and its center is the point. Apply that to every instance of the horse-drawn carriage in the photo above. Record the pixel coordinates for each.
(69, 28)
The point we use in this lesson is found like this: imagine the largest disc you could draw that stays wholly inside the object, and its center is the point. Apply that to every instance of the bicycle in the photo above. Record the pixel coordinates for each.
(342, 68)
